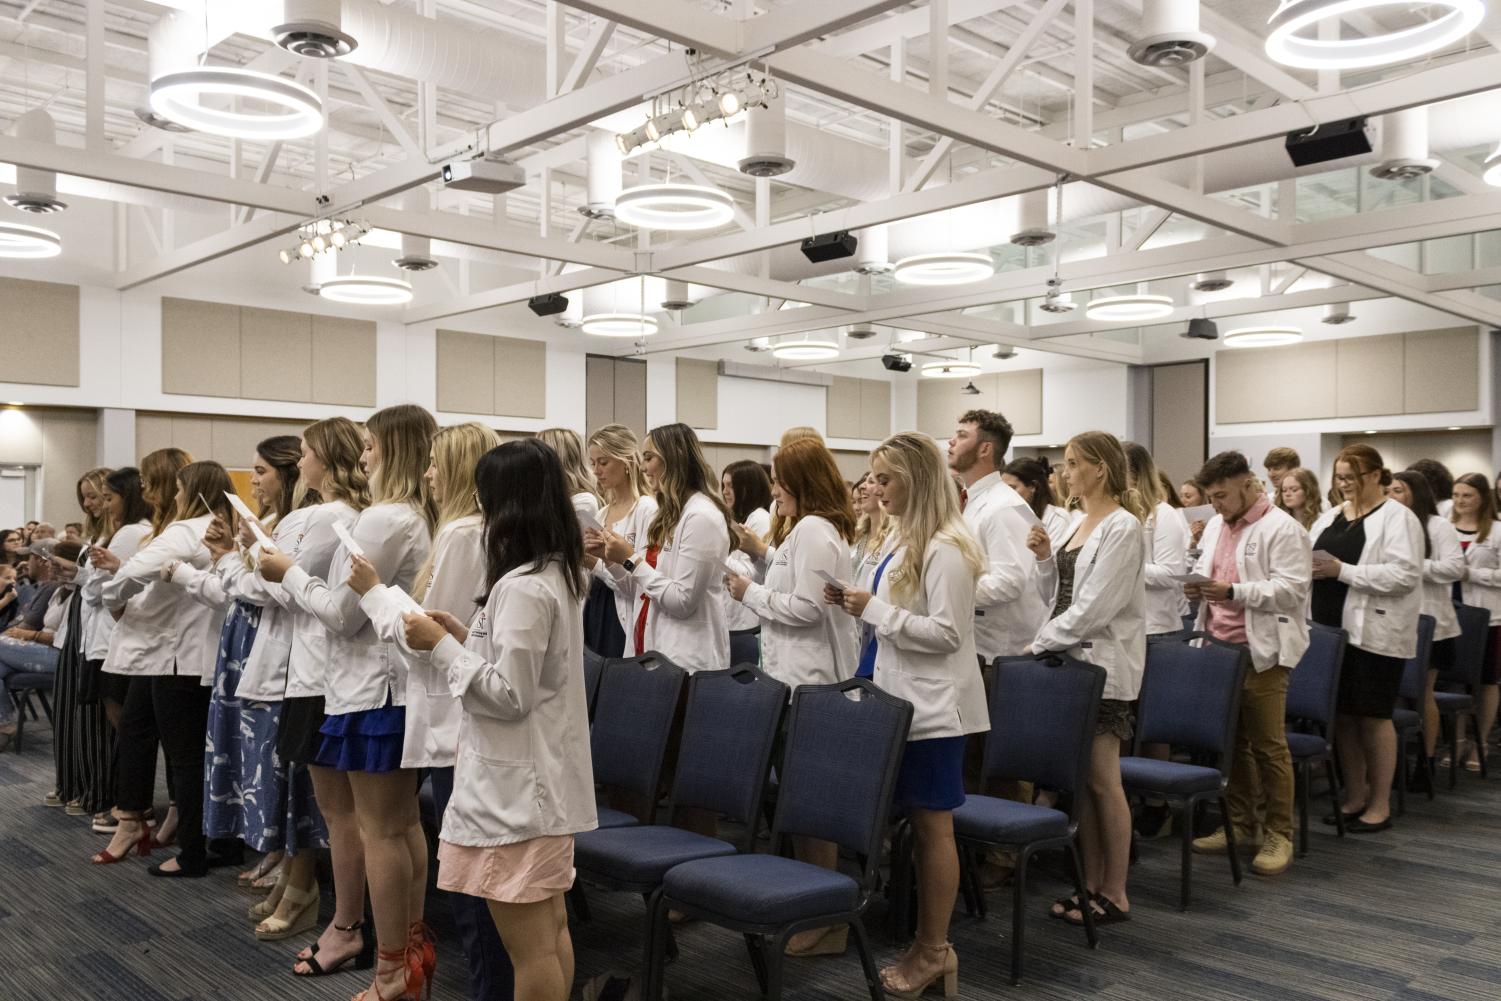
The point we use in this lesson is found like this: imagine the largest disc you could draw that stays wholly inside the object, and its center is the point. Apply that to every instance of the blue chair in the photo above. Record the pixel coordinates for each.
(745, 646)
(22, 686)
(1407, 717)
(1190, 698)
(844, 747)
(638, 698)
(728, 733)
(594, 669)
(1462, 684)
(1312, 695)
(1042, 720)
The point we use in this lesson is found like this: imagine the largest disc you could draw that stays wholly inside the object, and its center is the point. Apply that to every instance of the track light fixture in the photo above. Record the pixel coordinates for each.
(696, 105)
(323, 235)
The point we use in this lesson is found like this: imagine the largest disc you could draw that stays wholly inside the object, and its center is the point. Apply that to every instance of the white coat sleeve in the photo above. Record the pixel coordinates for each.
(1100, 595)
(338, 606)
(1008, 561)
(950, 589)
(703, 543)
(203, 586)
(1484, 561)
(1446, 564)
(1169, 552)
(1286, 590)
(243, 582)
(804, 604)
(1400, 571)
(522, 617)
(178, 541)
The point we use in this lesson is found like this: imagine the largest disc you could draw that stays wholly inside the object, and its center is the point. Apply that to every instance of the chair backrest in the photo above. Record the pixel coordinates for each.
(1415, 670)
(594, 669)
(728, 733)
(1190, 696)
(1313, 688)
(1469, 652)
(745, 646)
(844, 747)
(638, 698)
(1042, 720)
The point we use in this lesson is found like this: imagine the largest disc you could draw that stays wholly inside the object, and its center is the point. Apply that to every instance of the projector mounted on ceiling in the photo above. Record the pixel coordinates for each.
(830, 246)
(1334, 141)
(491, 176)
(895, 361)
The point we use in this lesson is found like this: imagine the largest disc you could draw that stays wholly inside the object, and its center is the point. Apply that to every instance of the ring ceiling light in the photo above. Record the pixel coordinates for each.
(619, 325)
(28, 241)
(1137, 308)
(806, 349)
(1262, 337)
(674, 206)
(295, 110)
(944, 269)
(366, 290)
(950, 370)
(1295, 41)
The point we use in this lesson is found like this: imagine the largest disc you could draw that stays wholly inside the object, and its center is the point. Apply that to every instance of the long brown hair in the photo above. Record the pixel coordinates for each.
(1313, 501)
(281, 453)
(806, 470)
(1363, 459)
(1486, 515)
(204, 483)
(404, 434)
(337, 444)
(159, 471)
(685, 473)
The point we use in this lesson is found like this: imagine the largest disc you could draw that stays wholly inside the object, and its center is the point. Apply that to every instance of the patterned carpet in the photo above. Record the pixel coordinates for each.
(1410, 915)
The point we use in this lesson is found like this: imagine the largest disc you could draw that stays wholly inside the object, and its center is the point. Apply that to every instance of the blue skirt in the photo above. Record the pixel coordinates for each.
(367, 741)
(932, 774)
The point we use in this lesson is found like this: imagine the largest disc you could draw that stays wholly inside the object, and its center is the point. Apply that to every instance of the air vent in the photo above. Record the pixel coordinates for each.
(1033, 237)
(415, 263)
(313, 30)
(1403, 170)
(156, 121)
(766, 166)
(1172, 52)
(1212, 281)
(37, 202)
(860, 332)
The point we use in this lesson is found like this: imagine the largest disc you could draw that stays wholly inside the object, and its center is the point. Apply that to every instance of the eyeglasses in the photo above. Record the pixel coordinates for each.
(1351, 477)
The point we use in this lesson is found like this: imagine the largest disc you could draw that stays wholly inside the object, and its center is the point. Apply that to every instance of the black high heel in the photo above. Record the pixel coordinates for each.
(362, 960)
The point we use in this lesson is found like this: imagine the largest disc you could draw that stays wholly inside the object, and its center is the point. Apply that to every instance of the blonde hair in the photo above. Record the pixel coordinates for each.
(932, 512)
(685, 473)
(159, 471)
(404, 435)
(456, 454)
(1103, 449)
(800, 433)
(1313, 501)
(570, 450)
(619, 443)
(95, 527)
(337, 445)
(1143, 475)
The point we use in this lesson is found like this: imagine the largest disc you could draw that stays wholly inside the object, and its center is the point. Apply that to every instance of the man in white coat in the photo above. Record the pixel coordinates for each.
(1259, 564)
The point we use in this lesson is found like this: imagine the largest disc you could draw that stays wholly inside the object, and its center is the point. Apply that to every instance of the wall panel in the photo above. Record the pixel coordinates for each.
(520, 377)
(1369, 375)
(343, 361)
(1180, 418)
(630, 394)
(466, 372)
(845, 414)
(39, 313)
(276, 355)
(200, 348)
(1442, 368)
(698, 393)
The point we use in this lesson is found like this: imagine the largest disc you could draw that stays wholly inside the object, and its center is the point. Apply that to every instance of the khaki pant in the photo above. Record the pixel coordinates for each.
(1261, 775)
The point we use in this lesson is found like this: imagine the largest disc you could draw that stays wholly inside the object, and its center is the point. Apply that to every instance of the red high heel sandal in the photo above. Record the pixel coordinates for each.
(142, 846)
(403, 957)
(422, 943)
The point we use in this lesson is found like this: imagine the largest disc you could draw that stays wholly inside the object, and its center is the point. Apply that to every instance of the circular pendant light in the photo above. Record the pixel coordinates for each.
(178, 97)
(1295, 41)
(950, 370)
(674, 207)
(366, 290)
(21, 241)
(619, 325)
(944, 269)
(1136, 308)
(806, 349)
(1262, 337)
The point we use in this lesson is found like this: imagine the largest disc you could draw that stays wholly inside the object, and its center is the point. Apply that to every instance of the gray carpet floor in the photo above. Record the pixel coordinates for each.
(1409, 915)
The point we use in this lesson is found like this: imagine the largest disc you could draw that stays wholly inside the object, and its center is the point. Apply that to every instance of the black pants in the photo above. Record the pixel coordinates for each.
(174, 710)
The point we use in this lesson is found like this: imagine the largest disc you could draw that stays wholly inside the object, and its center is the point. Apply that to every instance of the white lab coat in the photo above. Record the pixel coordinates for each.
(925, 653)
(736, 615)
(165, 631)
(804, 639)
(685, 620)
(585, 505)
(633, 529)
(1059, 524)
(458, 579)
(1106, 622)
(1167, 539)
(364, 673)
(1008, 608)
(1444, 565)
(1482, 585)
(523, 768)
(1385, 597)
(100, 629)
(1274, 563)
(312, 549)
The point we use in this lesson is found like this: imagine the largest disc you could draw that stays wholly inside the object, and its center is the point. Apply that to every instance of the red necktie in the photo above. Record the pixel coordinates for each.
(963, 498)
(651, 559)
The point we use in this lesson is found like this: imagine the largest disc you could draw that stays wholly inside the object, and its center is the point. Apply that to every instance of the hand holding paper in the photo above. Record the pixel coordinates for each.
(249, 518)
(351, 547)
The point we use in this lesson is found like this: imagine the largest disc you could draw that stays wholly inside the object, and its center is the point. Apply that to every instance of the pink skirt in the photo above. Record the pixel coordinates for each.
(521, 873)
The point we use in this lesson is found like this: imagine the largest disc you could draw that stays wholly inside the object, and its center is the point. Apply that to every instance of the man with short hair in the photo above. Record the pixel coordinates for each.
(43, 530)
(1260, 564)
(1279, 462)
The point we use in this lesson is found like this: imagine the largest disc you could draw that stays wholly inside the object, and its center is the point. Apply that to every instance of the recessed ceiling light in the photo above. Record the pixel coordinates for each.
(366, 290)
(179, 97)
(944, 269)
(674, 207)
(619, 325)
(1370, 432)
(21, 241)
(1137, 308)
(805, 349)
(1262, 337)
(950, 370)
(1295, 41)
(1456, 428)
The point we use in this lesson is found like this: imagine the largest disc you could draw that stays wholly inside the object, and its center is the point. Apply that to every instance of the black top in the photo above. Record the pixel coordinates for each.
(1067, 560)
(1343, 540)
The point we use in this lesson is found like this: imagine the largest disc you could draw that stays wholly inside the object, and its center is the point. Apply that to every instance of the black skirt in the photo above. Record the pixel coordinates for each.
(1368, 683)
(297, 736)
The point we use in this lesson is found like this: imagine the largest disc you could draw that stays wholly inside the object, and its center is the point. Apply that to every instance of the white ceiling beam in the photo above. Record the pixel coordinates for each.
(588, 56)
(567, 282)
(908, 24)
(682, 22)
(210, 248)
(477, 232)
(244, 213)
(734, 281)
(1151, 222)
(1455, 280)
(1221, 309)
(377, 104)
(792, 24)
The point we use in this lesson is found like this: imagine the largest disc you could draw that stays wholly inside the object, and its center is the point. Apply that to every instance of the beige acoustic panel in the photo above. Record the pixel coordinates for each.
(1275, 384)
(39, 338)
(719, 456)
(68, 451)
(1369, 375)
(1443, 370)
(466, 372)
(194, 435)
(153, 431)
(939, 404)
(698, 393)
(852, 465)
(200, 348)
(520, 377)
(875, 410)
(343, 361)
(276, 355)
(506, 436)
(630, 394)
(1018, 396)
(599, 392)
(1180, 418)
(233, 439)
(842, 407)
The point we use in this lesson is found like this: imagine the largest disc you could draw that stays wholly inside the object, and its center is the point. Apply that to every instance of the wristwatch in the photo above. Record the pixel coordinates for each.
(1230, 592)
(628, 565)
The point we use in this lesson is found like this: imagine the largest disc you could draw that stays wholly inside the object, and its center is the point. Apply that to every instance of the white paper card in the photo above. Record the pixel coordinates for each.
(588, 520)
(1027, 514)
(1322, 556)
(243, 510)
(832, 581)
(1191, 578)
(350, 546)
(1201, 513)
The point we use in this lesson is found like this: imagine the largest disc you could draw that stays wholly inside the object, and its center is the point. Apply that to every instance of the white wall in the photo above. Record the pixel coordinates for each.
(1079, 395)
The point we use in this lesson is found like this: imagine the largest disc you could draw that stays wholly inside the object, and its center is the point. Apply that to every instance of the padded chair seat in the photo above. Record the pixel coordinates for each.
(642, 855)
(1406, 719)
(31, 681)
(610, 819)
(1006, 822)
(1170, 777)
(760, 889)
(1306, 746)
(1454, 702)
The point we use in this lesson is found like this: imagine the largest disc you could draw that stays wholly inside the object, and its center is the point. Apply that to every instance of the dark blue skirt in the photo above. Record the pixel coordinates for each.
(368, 741)
(932, 774)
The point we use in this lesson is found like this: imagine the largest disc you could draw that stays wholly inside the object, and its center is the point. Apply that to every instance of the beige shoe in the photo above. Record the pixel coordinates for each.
(1217, 843)
(1275, 856)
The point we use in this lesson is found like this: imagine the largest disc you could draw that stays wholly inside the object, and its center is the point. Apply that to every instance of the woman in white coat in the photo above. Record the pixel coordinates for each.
(746, 490)
(449, 582)
(1443, 566)
(524, 785)
(581, 487)
(923, 611)
(615, 460)
(1367, 579)
(1474, 516)
(1097, 583)
(1167, 540)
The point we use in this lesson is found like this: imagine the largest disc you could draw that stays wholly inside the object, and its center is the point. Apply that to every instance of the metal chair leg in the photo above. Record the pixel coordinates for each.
(756, 947)
(1186, 836)
(1078, 866)
(1480, 745)
(867, 961)
(1303, 778)
(1334, 796)
(1235, 874)
(1402, 740)
(774, 955)
(1454, 753)
(1019, 913)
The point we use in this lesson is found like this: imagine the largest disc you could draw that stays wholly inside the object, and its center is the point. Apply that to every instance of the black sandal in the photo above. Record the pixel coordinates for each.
(1062, 906)
(1104, 912)
(362, 960)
